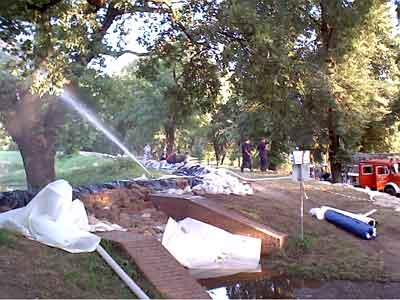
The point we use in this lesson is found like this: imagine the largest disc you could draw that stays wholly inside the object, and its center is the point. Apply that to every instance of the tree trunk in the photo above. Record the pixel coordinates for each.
(274, 150)
(336, 165)
(170, 128)
(38, 157)
(33, 123)
(328, 37)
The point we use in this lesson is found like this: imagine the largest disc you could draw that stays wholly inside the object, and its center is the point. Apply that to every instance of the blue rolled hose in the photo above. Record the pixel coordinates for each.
(358, 228)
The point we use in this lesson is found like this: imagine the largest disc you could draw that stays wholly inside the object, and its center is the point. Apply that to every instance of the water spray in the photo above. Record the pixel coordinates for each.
(90, 116)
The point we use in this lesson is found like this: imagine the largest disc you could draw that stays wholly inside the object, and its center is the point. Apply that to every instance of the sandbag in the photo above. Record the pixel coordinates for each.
(358, 228)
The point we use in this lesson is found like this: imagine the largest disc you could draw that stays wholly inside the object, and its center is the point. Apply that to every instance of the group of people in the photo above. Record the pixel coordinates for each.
(247, 156)
(171, 158)
(246, 148)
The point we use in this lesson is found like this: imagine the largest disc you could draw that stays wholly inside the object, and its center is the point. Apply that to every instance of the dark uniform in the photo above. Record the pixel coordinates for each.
(246, 155)
(262, 153)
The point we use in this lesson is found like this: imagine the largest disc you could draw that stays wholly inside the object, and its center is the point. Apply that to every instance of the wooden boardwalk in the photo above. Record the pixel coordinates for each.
(169, 277)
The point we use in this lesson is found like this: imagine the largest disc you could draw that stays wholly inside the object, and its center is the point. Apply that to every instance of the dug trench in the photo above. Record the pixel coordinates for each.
(327, 254)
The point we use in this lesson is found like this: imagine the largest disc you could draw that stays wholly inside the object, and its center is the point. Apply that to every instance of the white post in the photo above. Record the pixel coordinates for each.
(301, 200)
(298, 162)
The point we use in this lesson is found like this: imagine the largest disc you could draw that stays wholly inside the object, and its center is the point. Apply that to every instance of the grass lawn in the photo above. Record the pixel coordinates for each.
(77, 169)
(32, 270)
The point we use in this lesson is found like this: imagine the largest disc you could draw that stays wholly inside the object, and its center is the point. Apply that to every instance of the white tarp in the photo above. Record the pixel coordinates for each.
(197, 245)
(52, 218)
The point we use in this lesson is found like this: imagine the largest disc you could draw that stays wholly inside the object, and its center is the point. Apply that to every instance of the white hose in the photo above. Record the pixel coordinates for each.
(228, 171)
(256, 179)
(370, 213)
(121, 273)
(172, 176)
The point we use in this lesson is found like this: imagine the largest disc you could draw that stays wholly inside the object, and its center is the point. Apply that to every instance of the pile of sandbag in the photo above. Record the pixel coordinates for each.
(14, 199)
(161, 165)
(218, 181)
(192, 170)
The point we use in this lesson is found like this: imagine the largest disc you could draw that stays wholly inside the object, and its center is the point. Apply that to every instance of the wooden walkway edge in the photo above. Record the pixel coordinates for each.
(169, 277)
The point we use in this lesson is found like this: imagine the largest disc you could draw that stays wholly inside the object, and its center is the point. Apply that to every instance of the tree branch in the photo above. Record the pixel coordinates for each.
(111, 15)
(127, 51)
(157, 7)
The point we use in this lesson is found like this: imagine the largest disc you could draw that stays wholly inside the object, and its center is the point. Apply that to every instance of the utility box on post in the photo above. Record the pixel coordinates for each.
(301, 172)
(300, 165)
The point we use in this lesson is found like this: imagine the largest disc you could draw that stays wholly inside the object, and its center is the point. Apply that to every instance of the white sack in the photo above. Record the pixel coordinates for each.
(52, 218)
(198, 245)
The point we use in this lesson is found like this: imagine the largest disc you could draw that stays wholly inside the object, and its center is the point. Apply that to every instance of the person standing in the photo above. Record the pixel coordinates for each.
(246, 155)
(146, 152)
(262, 154)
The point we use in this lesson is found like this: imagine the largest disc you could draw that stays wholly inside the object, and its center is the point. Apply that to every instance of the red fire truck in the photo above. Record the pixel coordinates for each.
(380, 174)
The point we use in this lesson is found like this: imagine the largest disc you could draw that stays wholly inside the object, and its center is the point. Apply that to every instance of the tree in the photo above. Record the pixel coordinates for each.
(52, 42)
(29, 123)
(313, 67)
(191, 84)
(223, 130)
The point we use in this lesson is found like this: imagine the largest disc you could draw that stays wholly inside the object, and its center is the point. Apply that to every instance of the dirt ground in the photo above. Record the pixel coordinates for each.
(128, 207)
(328, 252)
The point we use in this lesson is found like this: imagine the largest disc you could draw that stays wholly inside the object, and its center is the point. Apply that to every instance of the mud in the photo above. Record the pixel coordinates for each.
(253, 286)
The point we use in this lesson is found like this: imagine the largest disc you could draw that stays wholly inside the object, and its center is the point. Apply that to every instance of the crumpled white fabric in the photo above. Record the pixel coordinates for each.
(52, 218)
(197, 245)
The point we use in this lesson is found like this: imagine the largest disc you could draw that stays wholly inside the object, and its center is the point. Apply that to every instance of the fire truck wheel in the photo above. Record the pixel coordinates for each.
(390, 190)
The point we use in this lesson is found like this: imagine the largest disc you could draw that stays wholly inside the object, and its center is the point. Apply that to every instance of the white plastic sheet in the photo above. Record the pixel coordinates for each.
(197, 245)
(52, 218)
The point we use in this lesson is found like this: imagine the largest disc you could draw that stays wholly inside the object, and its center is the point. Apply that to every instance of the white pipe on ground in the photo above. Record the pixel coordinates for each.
(361, 217)
(229, 172)
(121, 273)
(256, 179)
(370, 213)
